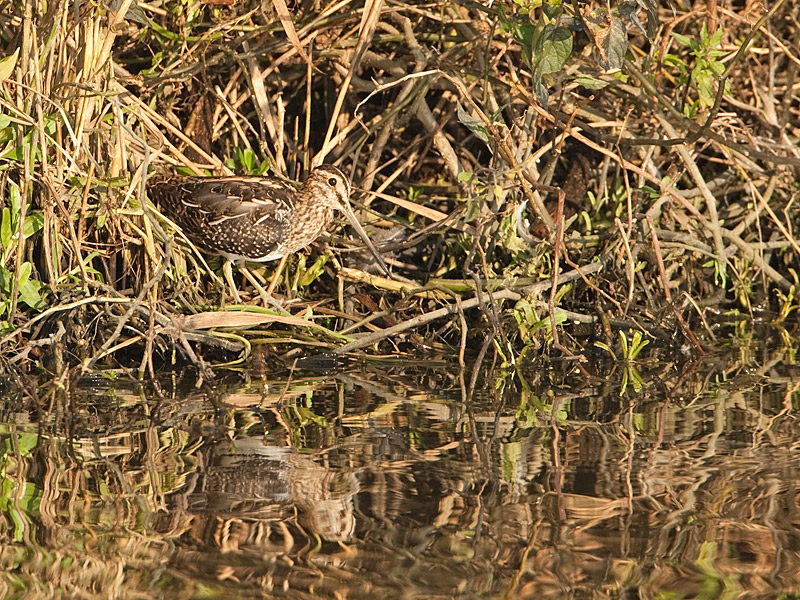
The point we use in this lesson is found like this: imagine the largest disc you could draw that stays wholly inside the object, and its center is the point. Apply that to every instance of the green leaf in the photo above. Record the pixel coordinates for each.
(314, 271)
(246, 159)
(134, 13)
(716, 38)
(29, 294)
(607, 348)
(589, 82)
(624, 340)
(12, 152)
(24, 274)
(553, 49)
(50, 125)
(524, 35)
(686, 41)
(174, 37)
(476, 126)
(262, 168)
(5, 281)
(15, 198)
(465, 177)
(33, 223)
(638, 347)
(544, 323)
(6, 231)
(102, 217)
(7, 65)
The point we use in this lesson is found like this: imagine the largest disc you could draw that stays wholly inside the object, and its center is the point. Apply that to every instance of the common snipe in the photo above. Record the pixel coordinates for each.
(256, 219)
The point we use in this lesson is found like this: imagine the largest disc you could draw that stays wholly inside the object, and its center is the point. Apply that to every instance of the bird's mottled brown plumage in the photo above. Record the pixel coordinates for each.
(253, 218)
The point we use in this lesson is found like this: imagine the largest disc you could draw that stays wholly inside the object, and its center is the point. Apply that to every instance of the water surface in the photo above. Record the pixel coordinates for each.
(400, 479)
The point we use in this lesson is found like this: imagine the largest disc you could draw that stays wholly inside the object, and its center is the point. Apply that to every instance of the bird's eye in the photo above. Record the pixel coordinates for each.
(332, 182)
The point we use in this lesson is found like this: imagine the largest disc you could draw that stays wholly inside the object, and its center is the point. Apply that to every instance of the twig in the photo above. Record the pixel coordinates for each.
(425, 318)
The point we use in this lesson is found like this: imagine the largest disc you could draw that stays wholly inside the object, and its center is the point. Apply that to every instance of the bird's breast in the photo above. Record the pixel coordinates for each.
(306, 224)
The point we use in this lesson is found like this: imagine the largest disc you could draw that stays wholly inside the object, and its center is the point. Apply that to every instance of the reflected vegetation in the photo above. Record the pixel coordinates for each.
(415, 479)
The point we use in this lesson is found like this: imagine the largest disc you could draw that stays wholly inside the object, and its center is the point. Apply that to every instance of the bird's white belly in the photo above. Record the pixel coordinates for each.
(239, 258)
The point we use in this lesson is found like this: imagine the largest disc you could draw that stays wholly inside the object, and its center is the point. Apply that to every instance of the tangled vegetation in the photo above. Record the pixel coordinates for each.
(538, 176)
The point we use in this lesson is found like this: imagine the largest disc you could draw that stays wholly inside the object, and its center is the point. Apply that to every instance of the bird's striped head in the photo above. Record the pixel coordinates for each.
(330, 185)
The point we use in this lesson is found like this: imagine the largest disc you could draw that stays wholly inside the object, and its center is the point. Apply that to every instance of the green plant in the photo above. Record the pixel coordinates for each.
(545, 32)
(529, 322)
(247, 161)
(630, 350)
(720, 272)
(304, 274)
(546, 43)
(706, 71)
(28, 289)
(787, 301)
(19, 498)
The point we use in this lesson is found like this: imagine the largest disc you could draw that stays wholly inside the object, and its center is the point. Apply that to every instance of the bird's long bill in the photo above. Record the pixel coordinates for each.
(351, 215)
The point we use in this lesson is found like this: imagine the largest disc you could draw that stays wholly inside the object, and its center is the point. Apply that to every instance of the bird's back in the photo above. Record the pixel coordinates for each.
(242, 218)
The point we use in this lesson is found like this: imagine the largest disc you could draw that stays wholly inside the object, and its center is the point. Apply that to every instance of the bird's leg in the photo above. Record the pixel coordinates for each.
(228, 273)
(277, 275)
(265, 294)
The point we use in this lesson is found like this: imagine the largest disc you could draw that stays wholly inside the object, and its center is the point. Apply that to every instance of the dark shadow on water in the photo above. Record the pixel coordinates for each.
(388, 479)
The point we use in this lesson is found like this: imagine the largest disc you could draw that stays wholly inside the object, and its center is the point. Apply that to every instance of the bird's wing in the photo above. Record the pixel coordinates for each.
(241, 217)
(237, 196)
